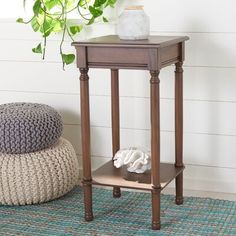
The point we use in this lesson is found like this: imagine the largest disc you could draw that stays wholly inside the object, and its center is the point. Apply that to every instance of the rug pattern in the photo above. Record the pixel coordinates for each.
(129, 215)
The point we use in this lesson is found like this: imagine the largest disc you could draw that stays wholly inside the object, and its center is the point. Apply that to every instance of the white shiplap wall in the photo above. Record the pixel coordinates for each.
(209, 89)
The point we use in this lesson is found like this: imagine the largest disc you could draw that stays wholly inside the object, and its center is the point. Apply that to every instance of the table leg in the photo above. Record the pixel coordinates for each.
(156, 210)
(85, 130)
(179, 130)
(115, 119)
(155, 148)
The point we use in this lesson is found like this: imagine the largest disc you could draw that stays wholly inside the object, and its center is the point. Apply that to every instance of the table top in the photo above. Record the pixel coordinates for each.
(114, 41)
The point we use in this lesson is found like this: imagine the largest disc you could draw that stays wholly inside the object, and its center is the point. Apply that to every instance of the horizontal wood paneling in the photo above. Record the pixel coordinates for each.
(199, 116)
(202, 49)
(215, 84)
(10, 30)
(20, 50)
(189, 16)
(66, 105)
(209, 50)
(199, 149)
(12, 8)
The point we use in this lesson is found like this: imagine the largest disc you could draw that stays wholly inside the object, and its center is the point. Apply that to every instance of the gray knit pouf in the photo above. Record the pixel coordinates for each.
(28, 127)
(38, 177)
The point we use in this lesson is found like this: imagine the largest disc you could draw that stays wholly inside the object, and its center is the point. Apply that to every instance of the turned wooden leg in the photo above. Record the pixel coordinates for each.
(179, 130)
(88, 211)
(115, 119)
(155, 148)
(179, 189)
(85, 131)
(156, 209)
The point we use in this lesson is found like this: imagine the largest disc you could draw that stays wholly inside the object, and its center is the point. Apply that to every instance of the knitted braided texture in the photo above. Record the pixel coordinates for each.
(38, 176)
(28, 127)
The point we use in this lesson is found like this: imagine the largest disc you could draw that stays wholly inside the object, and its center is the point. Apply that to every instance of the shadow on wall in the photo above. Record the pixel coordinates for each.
(72, 131)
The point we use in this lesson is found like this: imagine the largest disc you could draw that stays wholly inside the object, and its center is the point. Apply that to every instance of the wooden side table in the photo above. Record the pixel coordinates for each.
(153, 54)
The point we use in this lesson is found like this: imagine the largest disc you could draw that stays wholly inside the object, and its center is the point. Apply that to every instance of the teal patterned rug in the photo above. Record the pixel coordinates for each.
(129, 215)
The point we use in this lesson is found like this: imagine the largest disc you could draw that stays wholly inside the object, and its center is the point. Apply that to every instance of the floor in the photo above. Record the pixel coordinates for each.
(195, 193)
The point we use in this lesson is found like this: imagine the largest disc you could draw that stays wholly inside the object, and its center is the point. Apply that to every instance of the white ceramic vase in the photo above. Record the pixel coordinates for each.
(133, 24)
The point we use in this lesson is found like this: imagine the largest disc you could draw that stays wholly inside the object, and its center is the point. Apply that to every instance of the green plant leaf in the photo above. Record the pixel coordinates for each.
(83, 3)
(57, 26)
(99, 3)
(104, 19)
(68, 58)
(51, 16)
(75, 29)
(37, 49)
(49, 4)
(111, 3)
(35, 24)
(37, 7)
(20, 20)
(47, 27)
(95, 11)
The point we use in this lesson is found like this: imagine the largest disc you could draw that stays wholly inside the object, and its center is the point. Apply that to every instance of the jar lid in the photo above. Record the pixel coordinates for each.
(139, 7)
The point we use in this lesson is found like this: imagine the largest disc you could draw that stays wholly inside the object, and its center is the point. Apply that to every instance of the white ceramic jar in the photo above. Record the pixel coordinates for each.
(133, 24)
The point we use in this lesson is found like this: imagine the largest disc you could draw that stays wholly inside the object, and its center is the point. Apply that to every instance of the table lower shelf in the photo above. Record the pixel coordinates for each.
(108, 175)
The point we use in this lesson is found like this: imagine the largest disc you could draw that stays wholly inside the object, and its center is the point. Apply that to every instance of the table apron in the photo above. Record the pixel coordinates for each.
(130, 58)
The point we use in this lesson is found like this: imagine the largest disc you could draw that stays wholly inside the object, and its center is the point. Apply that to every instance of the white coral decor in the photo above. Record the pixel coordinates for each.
(137, 160)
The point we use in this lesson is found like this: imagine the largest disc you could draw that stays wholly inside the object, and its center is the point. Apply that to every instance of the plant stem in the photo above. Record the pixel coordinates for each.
(82, 15)
(63, 35)
(27, 22)
(68, 32)
(45, 38)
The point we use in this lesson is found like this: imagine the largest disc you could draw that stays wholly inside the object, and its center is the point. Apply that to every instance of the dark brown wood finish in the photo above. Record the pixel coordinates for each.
(152, 54)
(155, 129)
(156, 208)
(114, 41)
(115, 119)
(85, 130)
(179, 129)
(128, 54)
(155, 148)
(108, 175)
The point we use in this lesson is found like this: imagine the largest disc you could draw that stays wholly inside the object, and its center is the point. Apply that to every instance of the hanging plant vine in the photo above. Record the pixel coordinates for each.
(51, 16)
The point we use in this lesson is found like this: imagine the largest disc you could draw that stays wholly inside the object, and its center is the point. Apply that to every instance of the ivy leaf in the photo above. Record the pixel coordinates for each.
(37, 7)
(20, 20)
(35, 24)
(111, 3)
(82, 3)
(75, 29)
(49, 4)
(104, 19)
(95, 12)
(99, 3)
(68, 58)
(57, 26)
(37, 49)
(47, 27)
